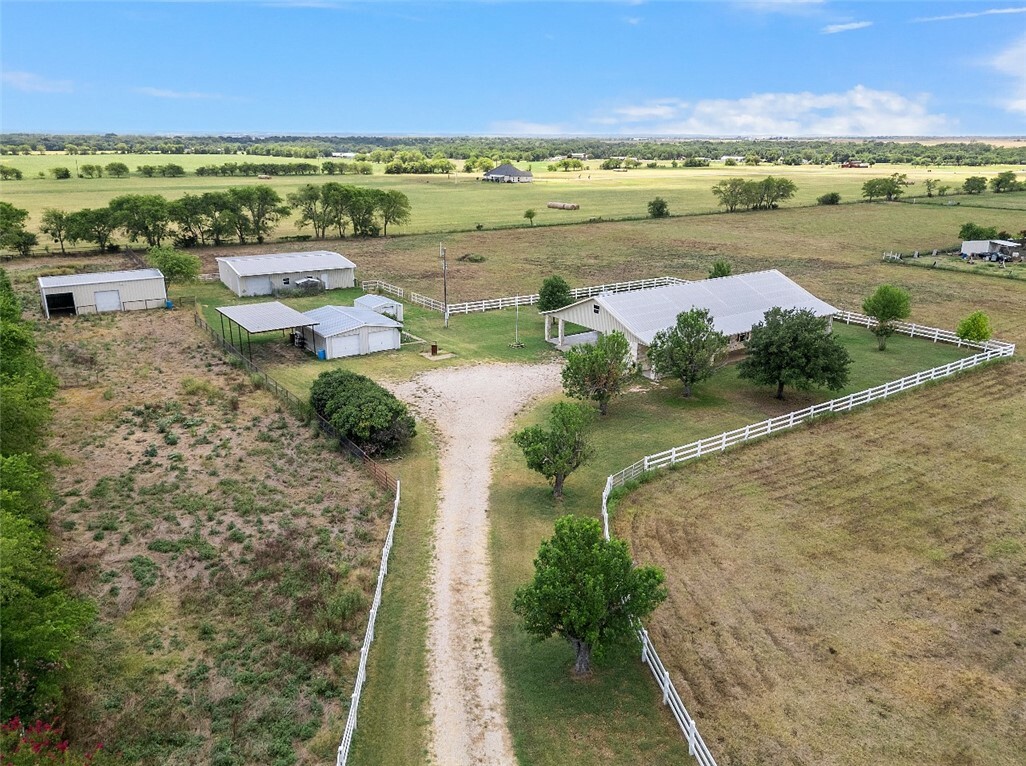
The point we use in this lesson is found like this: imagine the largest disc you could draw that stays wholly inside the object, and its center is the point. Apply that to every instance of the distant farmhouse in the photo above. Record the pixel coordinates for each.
(736, 304)
(247, 275)
(507, 174)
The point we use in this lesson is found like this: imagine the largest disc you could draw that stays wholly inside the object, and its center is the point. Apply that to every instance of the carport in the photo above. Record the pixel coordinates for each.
(260, 318)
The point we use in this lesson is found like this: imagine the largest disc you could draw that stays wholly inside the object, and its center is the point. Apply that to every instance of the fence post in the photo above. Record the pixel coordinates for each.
(644, 645)
(666, 687)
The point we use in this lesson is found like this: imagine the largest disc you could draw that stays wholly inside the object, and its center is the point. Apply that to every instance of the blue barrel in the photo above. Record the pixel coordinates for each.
(321, 354)
(169, 304)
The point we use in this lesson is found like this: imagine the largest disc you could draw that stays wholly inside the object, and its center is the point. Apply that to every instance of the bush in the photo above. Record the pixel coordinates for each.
(833, 198)
(658, 208)
(554, 294)
(362, 411)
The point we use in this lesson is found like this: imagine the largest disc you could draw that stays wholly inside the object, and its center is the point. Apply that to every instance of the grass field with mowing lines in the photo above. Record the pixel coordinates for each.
(852, 593)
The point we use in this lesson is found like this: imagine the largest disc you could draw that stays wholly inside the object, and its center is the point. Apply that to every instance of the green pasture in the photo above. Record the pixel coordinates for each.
(460, 201)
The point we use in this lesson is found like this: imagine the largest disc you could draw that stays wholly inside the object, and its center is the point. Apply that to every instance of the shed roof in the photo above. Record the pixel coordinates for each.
(100, 277)
(286, 263)
(371, 301)
(736, 303)
(336, 320)
(505, 169)
(264, 317)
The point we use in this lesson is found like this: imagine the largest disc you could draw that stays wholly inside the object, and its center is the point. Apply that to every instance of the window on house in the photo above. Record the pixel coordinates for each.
(595, 308)
(285, 280)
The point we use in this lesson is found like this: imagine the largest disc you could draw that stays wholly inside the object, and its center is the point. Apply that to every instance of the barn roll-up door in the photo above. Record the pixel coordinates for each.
(107, 300)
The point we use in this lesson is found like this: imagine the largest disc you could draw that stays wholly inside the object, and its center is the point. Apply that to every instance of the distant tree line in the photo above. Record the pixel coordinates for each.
(384, 149)
(242, 214)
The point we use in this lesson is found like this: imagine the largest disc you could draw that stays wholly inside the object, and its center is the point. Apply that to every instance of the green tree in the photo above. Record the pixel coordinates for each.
(587, 590)
(794, 347)
(720, 269)
(600, 371)
(658, 208)
(116, 169)
(889, 304)
(889, 188)
(313, 209)
(260, 208)
(12, 220)
(1004, 182)
(975, 327)
(730, 193)
(394, 207)
(175, 265)
(91, 171)
(529, 214)
(61, 174)
(974, 185)
(971, 231)
(92, 225)
(689, 349)
(554, 294)
(831, 198)
(55, 223)
(557, 451)
(930, 185)
(7, 173)
(362, 411)
(142, 216)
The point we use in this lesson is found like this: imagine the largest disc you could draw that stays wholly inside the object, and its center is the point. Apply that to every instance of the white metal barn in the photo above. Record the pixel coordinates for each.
(736, 304)
(247, 275)
(349, 331)
(102, 291)
(984, 248)
(381, 304)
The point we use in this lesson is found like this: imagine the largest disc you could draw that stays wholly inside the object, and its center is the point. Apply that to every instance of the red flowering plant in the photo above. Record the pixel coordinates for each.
(40, 743)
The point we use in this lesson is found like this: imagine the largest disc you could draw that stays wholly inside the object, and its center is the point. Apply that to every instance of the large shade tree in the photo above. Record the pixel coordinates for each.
(559, 450)
(587, 590)
(689, 349)
(598, 371)
(794, 347)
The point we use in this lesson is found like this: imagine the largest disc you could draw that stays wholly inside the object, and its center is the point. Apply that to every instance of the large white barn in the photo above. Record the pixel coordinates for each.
(339, 331)
(247, 275)
(736, 304)
(102, 291)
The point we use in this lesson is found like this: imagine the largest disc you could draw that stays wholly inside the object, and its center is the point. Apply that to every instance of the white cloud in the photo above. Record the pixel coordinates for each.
(178, 94)
(1012, 63)
(860, 111)
(29, 82)
(833, 29)
(973, 14)
(633, 20)
(780, 6)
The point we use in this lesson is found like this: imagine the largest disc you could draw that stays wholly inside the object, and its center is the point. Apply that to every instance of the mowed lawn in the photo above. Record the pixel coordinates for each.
(852, 592)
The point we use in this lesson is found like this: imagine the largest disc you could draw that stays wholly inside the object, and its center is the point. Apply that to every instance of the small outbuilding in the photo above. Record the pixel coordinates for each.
(247, 275)
(340, 331)
(507, 174)
(381, 304)
(102, 291)
(736, 303)
(991, 249)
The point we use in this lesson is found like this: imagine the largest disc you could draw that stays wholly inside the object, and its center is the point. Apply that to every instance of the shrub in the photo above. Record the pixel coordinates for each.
(554, 294)
(362, 411)
(975, 327)
(658, 208)
(832, 198)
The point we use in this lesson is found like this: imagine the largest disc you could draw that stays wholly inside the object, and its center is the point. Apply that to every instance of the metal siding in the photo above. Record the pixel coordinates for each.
(584, 314)
(135, 294)
(382, 340)
(343, 345)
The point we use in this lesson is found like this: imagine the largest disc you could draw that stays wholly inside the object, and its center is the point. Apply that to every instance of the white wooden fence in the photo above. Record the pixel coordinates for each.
(368, 639)
(492, 304)
(989, 350)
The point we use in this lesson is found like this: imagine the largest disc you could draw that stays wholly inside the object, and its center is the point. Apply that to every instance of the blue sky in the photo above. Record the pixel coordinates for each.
(796, 68)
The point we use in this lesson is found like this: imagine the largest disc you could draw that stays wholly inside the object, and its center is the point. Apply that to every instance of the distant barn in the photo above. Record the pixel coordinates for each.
(507, 174)
(247, 275)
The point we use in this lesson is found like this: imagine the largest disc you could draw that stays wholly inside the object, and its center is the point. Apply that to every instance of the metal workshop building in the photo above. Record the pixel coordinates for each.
(338, 331)
(247, 275)
(102, 291)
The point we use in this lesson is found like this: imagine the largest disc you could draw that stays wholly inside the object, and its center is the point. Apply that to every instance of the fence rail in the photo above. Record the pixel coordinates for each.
(988, 351)
(368, 639)
(492, 304)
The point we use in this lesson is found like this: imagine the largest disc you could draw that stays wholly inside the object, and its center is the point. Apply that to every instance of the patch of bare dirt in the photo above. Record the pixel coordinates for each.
(470, 408)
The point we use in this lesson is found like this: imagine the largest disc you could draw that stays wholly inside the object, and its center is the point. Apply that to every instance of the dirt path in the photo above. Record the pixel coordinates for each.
(471, 407)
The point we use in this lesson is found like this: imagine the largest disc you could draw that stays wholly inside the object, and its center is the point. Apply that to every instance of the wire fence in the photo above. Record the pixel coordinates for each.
(989, 351)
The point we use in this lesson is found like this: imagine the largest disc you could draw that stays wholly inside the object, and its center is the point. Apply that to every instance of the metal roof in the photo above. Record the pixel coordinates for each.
(506, 169)
(286, 263)
(100, 277)
(736, 303)
(264, 317)
(370, 301)
(337, 320)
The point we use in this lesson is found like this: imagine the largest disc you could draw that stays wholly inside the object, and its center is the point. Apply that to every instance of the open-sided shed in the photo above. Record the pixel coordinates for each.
(102, 291)
(259, 318)
(247, 275)
(736, 304)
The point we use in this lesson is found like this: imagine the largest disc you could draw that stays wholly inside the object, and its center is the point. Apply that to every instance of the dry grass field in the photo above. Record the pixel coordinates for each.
(854, 592)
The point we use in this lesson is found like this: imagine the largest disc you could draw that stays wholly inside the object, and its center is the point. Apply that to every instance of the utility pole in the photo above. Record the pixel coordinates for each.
(445, 285)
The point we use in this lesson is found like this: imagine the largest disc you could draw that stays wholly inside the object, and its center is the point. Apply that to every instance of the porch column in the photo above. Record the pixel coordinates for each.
(548, 326)
(562, 331)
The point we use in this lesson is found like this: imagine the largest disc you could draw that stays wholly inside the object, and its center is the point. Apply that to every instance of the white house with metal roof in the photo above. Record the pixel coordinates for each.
(736, 303)
(102, 291)
(382, 304)
(507, 174)
(340, 331)
(247, 275)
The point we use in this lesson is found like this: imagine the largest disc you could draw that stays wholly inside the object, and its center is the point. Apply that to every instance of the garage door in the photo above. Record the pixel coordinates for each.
(382, 340)
(343, 345)
(107, 300)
